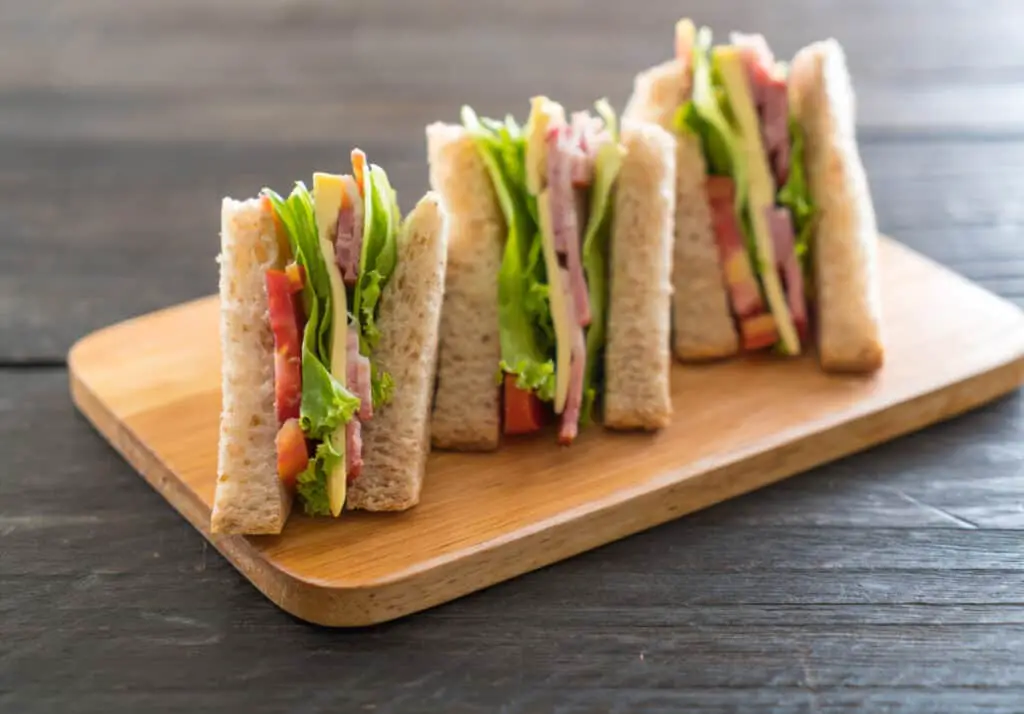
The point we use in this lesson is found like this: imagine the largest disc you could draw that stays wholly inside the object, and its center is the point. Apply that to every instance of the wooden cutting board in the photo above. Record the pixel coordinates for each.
(151, 386)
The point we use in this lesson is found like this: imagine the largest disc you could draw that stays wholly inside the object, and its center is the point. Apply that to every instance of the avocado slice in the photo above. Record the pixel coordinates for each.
(760, 188)
(327, 192)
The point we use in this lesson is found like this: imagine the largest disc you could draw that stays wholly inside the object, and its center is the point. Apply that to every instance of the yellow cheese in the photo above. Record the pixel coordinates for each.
(327, 192)
(761, 188)
(557, 297)
(543, 113)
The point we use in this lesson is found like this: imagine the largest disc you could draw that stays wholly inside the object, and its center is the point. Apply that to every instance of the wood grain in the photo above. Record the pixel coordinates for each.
(486, 518)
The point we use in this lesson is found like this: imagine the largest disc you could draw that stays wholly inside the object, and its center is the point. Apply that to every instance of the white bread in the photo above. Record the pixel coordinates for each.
(703, 326)
(844, 249)
(466, 412)
(396, 441)
(637, 354)
(249, 497)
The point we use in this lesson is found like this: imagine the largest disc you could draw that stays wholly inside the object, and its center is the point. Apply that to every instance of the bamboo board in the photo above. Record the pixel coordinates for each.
(151, 386)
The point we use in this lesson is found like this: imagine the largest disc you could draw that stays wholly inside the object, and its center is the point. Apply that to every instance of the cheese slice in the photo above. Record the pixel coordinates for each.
(327, 192)
(543, 113)
(760, 186)
(560, 315)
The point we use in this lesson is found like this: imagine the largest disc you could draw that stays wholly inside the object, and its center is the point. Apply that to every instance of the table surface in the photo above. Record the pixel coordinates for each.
(890, 581)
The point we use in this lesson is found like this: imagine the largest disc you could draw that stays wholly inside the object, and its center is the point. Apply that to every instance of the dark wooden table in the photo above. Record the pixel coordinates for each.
(892, 581)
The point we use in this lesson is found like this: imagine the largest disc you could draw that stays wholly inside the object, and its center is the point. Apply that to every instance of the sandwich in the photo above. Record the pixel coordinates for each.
(557, 301)
(329, 316)
(776, 235)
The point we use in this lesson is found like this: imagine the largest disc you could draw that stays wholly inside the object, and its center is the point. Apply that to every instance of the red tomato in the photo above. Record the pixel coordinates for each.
(759, 332)
(287, 357)
(292, 455)
(524, 412)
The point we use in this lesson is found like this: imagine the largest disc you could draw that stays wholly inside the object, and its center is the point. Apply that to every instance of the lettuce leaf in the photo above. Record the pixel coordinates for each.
(796, 196)
(524, 316)
(706, 115)
(297, 217)
(595, 257)
(326, 403)
(311, 484)
(382, 386)
(379, 254)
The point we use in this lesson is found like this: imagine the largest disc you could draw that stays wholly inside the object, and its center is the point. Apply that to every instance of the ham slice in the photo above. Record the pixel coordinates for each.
(768, 88)
(353, 449)
(574, 395)
(357, 374)
(348, 240)
(781, 224)
(564, 219)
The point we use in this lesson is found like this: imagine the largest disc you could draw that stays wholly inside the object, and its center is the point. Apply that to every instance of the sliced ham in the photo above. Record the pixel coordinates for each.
(348, 240)
(357, 374)
(353, 449)
(768, 88)
(564, 219)
(781, 224)
(574, 395)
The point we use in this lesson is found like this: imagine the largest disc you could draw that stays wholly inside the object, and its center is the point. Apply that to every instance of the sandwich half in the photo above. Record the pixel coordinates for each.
(776, 236)
(329, 318)
(557, 305)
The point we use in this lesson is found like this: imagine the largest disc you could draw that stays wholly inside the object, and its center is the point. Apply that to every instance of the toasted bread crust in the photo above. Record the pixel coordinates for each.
(249, 497)
(466, 412)
(637, 354)
(847, 291)
(396, 441)
(702, 323)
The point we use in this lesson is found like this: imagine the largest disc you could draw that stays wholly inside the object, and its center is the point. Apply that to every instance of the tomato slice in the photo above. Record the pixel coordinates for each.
(284, 324)
(759, 332)
(292, 454)
(524, 412)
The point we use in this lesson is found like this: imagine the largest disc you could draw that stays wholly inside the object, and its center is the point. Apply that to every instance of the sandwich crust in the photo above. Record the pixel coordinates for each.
(844, 248)
(466, 412)
(396, 441)
(637, 353)
(702, 322)
(249, 496)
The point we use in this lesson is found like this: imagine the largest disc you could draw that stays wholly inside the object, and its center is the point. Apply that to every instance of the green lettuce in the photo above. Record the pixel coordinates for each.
(595, 257)
(325, 403)
(524, 319)
(379, 254)
(311, 484)
(796, 196)
(382, 220)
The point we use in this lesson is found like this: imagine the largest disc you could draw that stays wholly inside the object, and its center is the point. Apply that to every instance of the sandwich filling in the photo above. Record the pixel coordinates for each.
(757, 190)
(323, 311)
(553, 178)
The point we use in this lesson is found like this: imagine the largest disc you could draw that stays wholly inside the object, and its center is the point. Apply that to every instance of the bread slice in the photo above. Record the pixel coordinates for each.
(637, 354)
(249, 497)
(396, 441)
(703, 326)
(466, 412)
(845, 243)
